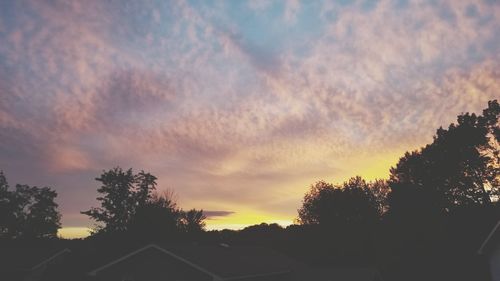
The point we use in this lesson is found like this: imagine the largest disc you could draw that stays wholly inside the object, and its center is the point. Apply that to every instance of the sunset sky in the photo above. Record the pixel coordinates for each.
(237, 106)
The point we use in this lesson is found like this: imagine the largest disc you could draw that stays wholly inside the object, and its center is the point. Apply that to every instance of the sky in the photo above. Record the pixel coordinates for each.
(236, 106)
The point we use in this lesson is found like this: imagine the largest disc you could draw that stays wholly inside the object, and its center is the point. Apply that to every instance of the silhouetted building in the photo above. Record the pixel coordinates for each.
(29, 263)
(196, 262)
(86, 261)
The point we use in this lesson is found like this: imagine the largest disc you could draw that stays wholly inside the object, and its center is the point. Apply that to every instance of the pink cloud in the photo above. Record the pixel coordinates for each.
(187, 98)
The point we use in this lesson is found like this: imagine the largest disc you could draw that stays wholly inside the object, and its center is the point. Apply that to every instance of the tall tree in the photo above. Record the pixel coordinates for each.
(5, 209)
(316, 203)
(28, 211)
(123, 192)
(146, 184)
(117, 200)
(329, 205)
(130, 204)
(4, 185)
(461, 164)
(41, 217)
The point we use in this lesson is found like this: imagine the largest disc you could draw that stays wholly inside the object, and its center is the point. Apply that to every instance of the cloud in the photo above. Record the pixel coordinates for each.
(235, 108)
(292, 8)
(211, 214)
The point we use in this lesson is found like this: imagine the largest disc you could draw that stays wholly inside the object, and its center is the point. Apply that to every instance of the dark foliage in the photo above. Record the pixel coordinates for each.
(158, 218)
(354, 202)
(28, 211)
(436, 209)
(193, 221)
(130, 207)
(122, 193)
(443, 202)
(461, 165)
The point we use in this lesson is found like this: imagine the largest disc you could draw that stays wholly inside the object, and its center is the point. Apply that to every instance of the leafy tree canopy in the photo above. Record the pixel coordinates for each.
(121, 194)
(355, 201)
(461, 164)
(28, 211)
(193, 221)
(130, 203)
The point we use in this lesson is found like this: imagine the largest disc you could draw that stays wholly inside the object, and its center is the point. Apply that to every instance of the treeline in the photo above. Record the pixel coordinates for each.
(130, 207)
(459, 169)
(434, 210)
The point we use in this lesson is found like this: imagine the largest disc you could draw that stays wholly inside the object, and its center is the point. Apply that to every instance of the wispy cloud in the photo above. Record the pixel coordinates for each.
(212, 214)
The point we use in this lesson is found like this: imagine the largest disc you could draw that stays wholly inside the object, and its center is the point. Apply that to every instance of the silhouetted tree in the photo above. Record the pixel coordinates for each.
(28, 211)
(4, 185)
(338, 222)
(6, 215)
(442, 199)
(117, 204)
(129, 205)
(193, 221)
(411, 202)
(262, 228)
(39, 211)
(316, 203)
(158, 218)
(267, 234)
(380, 190)
(122, 194)
(327, 205)
(462, 163)
(146, 184)
(415, 213)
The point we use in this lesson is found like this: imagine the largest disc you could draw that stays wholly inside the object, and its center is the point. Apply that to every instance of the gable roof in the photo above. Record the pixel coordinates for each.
(236, 261)
(491, 240)
(155, 247)
(19, 261)
(28, 257)
(221, 263)
(51, 258)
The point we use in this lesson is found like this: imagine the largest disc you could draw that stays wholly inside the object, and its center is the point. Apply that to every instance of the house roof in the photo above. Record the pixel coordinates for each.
(155, 247)
(235, 261)
(28, 256)
(491, 240)
(20, 261)
(223, 262)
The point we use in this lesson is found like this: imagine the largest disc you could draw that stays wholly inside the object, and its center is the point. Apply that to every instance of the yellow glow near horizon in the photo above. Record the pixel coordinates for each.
(82, 232)
(241, 220)
(375, 166)
(235, 221)
(73, 232)
(237, 226)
